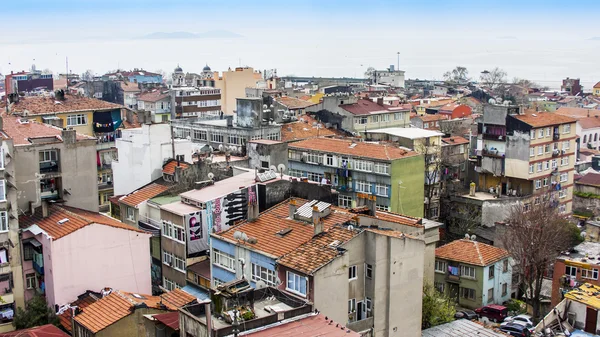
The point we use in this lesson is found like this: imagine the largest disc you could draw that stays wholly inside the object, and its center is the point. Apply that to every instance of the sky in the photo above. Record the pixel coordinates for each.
(543, 41)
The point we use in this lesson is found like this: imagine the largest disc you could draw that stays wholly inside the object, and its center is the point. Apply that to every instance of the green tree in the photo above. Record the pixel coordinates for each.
(438, 308)
(36, 313)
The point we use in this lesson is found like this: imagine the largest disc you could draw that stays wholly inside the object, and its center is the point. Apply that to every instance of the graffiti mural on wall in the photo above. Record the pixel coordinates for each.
(224, 212)
(196, 225)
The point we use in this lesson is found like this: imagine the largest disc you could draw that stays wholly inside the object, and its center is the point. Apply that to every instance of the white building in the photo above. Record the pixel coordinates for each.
(588, 130)
(143, 152)
(394, 78)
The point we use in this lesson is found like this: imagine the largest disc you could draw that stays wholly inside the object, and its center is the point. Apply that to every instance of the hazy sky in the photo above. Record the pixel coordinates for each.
(544, 41)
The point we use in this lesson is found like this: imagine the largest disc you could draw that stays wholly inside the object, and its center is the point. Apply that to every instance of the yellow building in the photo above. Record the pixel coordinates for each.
(596, 89)
(88, 116)
(233, 84)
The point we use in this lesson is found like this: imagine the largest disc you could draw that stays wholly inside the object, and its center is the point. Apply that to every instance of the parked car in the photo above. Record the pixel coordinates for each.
(465, 313)
(515, 329)
(494, 312)
(528, 325)
(520, 318)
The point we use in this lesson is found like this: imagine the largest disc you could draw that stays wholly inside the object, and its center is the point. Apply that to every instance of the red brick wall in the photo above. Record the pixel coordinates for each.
(559, 271)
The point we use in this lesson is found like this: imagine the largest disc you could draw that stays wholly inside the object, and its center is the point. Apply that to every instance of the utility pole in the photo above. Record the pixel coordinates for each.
(398, 61)
(172, 139)
(67, 63)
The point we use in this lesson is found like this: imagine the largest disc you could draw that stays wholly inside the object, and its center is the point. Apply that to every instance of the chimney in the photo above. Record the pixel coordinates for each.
(229, 121)
(380, 100)
(317, 222)
(44, 209)
(177, 172)
(208, 317)
(69, 136)
(292, 208)
(372, 206)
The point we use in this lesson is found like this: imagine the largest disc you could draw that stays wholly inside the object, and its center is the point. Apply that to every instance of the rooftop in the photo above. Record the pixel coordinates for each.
(39, 105)
(304, 130)
(221, 187)
(47, 330)
(432, 118)
(119, 304)
(82, 302)
(24, 131)
(355, 149)
(410, 133)
(147, 192)
(318, 251)
(586, 294)
(587, 252)
(577, 113)
(589, 122)
(471, 252)
(310, 325)
(590, 179)
(293, 103)
(63, 220)
(130, 86)
(455, 140)
(170, 319)
(461, 327)
(153, 96)
(364, 107)
(179, 208)
(541, 119)
(201, 268)
(597, 85)
(169, 167)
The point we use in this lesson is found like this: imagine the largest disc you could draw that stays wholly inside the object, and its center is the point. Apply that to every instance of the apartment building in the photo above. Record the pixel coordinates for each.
(575, 268)
(392, 175)
(195, 102)
(232, 85)
(158, 103)
(473, 273)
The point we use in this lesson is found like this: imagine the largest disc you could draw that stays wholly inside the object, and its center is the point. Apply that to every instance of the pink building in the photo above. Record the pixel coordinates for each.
(67, 251)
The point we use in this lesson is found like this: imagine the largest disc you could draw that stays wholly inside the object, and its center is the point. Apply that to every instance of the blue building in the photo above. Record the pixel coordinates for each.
(136, 76)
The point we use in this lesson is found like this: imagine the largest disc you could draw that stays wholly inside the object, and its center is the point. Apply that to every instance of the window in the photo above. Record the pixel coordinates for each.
(531, 168)
(167, 258)
(381, 190)
(3, 222)
(440, 266)
(554, 164)
(585, 138)
(566, 144)
(562, 193)
(344, 201)
(546, 165)
(567, 128)
(30, 281)
(369, 304)
(382, 168)
(234, 139)
(294, 155)
(368, 271)
(562, 208)
(363, 186)
(314, 158)
(490, 295)
(467, 293)
(440, 286)
(216, 137)
(179, 263)
(130, 213)
(385, 118)
(434, 212)
(491, 272)
(273, 136)
(538, 184)
(564, 161)
(532, 134)
(537, 200)
(546, 181)
(539, 167)
(1, 159)
(532, 151)
(329, 160)
(541, 133)
(314, 177)
(547, 132)
(352, 273)
(571, 271)
(426, 125)
(589, 273)
(75, 120)
(540, 150)
(397, 116)
(260, 273)
(363, 165)
(28, 252)
(527, 207)
(48, 156)
(467, 271)
(383, 208)
(169, 284)
(547, 148)
(351, 305)
(361, 120)
(224, 260)
(200, 134)
(296, 284)
(374, 119)
(504, 289)
(505, 266)
(564, 177)
(217, 282)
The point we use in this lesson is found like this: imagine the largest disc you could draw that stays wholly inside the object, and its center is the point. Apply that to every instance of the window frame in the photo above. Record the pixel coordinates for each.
(80, 119)
(30, 281)
(4, 222)
(368, 271)
(464, 268)
(442, 264)
(572, 271)
(257, 271)
(219, 255)
(352, 273)
(296, 277)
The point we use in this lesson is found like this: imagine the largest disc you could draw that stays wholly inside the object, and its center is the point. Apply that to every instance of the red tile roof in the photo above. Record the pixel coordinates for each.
(398, 218)
(364, 107)
(318, 251)
(541, 119)
(170, 319)
(21, 132)
(359, 149)
(315, 325)
(147, 192)
(169, 167)
(589, 122)
(431, 117)
(577, 112)
(303, 130)
(47, 330)
(590, 179)
(130, 87)
(293, 103)
(275, 219)
(152, 96)
(471, 252)
(83, 302)
(39, 105)
(77, 219)
(455, 140)
(120, 304)
(597, 85)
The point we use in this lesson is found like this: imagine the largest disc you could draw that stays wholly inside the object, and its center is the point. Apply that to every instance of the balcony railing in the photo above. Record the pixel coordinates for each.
(48, 166)
(343, 188)
(452, 278)
(39, 269)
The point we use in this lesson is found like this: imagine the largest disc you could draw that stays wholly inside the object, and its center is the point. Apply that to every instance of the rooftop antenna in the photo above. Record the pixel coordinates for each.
(67, 64)
(398, 61)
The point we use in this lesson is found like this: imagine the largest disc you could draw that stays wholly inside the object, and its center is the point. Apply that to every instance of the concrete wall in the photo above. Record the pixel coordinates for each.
(95, 257)
(496, 211)
(191, 326)
(173, 247)
(142, 152)
(331, 290)
(131, 325)
(496, 283)
(249, 112)
(233, 84)
(272, 154)
(517, 155)
(77, 168)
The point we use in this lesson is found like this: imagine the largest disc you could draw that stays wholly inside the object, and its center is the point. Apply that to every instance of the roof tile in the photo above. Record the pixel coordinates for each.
(147, 192)
(541, 119)
(153, 96)
(169, 168)
(590, 179)
(21, 133)
(471, 252)
(359, 149)
(293, 103)
(47, 330)
(39, 105)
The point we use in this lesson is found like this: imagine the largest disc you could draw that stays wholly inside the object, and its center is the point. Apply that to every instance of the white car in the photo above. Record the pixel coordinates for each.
(520, 318)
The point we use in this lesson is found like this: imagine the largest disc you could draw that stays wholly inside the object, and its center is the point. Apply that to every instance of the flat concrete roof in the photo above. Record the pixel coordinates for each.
(221, 188)
(179, 208)
(410, 133)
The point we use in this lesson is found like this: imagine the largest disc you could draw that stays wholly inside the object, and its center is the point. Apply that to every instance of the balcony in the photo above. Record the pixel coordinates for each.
(493, 152)
(48, 166)
(490, 136)
(452, 278)
(38, 268)
(343, 188)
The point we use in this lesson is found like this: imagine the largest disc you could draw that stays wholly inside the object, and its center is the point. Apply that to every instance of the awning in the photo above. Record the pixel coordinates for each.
(33, 242)
(197, 292)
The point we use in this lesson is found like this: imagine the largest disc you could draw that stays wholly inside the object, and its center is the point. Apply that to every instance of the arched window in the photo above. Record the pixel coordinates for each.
(585, 138)
(596, 137)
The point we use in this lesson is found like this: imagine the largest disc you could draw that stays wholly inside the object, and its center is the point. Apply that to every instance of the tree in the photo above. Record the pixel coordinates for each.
(36, 313)
(457, 75)
(534, 238)
(88, 75)
(46, 71)
(494, 79)
(437, 308)
(369, 73)
(433, 164)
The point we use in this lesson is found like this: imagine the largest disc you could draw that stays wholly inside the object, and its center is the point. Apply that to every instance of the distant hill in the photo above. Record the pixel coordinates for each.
(213, 34)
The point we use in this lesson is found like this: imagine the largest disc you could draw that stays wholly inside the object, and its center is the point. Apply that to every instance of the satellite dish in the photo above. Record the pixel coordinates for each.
(281, 167)
(239, 149)
(237, 235)
(260, 284)
(273, 168)
(467, 236)
(350, 227)
(492, 101)
(244, 236)
(211, 175)
(473, 237)
(220, 147)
